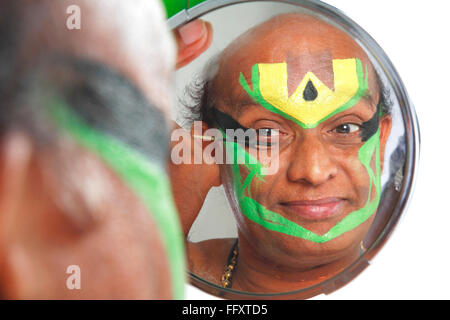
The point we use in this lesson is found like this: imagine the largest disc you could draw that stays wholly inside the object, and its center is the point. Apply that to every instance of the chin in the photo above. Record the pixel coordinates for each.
(293, 252)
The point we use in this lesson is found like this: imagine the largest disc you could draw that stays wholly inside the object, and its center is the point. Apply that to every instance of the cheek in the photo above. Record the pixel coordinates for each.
(232, 192)
(266, 189)
(356, 174)
(252, 184)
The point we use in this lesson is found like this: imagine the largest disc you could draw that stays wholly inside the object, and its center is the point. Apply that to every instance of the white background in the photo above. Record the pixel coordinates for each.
(415, 263)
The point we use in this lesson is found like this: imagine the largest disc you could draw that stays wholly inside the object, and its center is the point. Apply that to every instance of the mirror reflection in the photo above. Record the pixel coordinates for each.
(324, 117)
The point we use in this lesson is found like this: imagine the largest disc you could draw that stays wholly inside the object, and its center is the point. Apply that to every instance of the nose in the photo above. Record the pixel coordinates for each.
(312, 163)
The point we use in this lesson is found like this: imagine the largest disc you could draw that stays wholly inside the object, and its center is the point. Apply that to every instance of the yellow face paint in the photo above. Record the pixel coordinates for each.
(312, 102)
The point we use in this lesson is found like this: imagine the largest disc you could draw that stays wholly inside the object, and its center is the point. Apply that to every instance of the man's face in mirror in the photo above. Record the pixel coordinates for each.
(313, 87)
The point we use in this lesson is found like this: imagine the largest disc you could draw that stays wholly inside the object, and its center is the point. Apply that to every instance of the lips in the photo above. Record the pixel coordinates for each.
(319, 209)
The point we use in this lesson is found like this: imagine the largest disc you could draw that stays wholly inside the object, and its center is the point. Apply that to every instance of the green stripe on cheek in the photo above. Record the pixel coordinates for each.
(276, 222)
(148, 181)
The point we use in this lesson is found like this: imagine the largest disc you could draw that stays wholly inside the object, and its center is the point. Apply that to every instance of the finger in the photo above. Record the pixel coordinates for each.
(194, 48)
(192, 32)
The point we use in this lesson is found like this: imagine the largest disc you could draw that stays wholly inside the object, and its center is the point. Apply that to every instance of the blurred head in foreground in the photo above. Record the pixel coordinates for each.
(85, 207)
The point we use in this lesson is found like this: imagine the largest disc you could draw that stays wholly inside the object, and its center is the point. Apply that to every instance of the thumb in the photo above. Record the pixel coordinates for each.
(192, 40)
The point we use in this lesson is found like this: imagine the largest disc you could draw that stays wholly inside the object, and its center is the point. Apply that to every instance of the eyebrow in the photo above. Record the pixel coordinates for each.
(240, 102)
(367, 96)
(226, 122)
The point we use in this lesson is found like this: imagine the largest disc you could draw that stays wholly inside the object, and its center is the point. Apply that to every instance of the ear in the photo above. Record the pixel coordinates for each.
(385, 130)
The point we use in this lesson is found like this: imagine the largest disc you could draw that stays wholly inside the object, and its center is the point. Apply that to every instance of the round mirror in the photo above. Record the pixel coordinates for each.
(330, 168)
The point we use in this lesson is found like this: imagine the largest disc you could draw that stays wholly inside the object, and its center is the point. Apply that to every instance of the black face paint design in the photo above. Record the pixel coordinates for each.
(110, 103)
(369, 128)
(310, 93)
(224, 121)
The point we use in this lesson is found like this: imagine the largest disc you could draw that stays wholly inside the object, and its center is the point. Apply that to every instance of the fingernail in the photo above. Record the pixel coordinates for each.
(192, 31)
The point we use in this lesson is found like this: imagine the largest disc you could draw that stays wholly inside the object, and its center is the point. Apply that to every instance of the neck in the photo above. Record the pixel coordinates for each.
(259, 275)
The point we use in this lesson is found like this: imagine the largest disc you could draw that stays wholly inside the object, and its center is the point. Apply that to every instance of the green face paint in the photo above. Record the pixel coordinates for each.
(148, 181)
(371, 148)
(276, 222)
(269, 83)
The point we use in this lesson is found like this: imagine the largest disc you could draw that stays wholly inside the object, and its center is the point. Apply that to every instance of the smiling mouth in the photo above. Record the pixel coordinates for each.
(316, 210)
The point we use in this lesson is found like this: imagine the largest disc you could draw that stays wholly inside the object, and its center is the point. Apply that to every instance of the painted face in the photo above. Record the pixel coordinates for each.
(147, 180)
(107, 115)
(97, 194)
(328, 183)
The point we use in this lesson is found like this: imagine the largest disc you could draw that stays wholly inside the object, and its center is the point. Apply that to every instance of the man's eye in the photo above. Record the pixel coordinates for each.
(268, 136)
(347, 128)
(267, 132)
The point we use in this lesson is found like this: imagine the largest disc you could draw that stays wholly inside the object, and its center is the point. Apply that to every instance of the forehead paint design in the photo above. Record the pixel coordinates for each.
(148, 180)
(313, 102)
(308, 115)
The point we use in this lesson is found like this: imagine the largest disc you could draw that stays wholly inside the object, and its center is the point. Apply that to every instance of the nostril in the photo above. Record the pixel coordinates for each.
(312, 172)
(317, 178)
